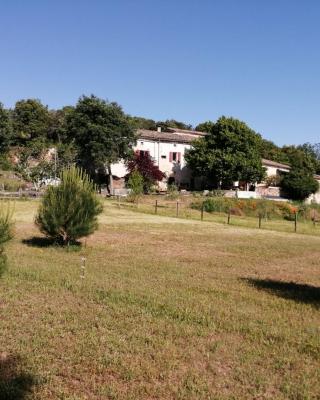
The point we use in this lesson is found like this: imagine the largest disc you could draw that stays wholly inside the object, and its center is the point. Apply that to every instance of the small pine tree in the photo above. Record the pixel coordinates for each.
(69, 211)
(6, 234)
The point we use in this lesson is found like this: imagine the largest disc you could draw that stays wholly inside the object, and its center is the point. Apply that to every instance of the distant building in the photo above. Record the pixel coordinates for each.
(167, 149)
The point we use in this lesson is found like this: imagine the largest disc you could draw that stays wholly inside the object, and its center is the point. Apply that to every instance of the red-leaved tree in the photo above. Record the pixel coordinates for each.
(150, 172)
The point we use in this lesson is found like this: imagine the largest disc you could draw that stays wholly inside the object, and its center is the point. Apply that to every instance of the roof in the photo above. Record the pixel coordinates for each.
(284, 166)
(187, 132)
(167, 136)
(275, 164)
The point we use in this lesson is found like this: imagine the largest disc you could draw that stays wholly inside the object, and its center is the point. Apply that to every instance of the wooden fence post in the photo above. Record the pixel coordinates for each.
(229, 215)
(202, 207)
(118, 201)
(295, 221)
(260, 218)
(177, 211)
(156, 207)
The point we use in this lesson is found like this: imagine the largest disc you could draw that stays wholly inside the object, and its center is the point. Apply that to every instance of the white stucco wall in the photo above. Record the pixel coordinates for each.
(160, 153)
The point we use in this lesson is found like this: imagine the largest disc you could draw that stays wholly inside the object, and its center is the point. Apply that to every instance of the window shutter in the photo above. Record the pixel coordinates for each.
(170, 156)
(179, 157)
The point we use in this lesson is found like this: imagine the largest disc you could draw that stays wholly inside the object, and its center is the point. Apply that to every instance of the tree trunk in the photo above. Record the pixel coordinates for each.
(110, 186)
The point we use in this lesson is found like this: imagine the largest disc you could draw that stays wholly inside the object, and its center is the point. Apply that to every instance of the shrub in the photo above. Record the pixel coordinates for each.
(135, 184)
(214, 204)
(69, 211)
(150, 172)
(299, 184)
(6, 233)
(172, 191)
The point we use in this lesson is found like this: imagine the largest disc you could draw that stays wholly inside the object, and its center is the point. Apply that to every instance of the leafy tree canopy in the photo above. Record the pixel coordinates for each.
(31, 121)
(298, 184)
(101, 133)
(150, 172)
(205, 126)
(58, 129)
(230, 152)
(5, 129)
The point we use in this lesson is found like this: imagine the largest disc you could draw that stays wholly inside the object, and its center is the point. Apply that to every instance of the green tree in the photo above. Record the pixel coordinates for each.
(142, 123)
(313, 151)
(146, 167)
(6, 234)
(30, 122)
(5, 129)
(58, 128)
(135, 184)
(69, 211)
(172, 123)
(299, 184)
(205, 126)
(102, 135)
(230, 152)
(271, 151)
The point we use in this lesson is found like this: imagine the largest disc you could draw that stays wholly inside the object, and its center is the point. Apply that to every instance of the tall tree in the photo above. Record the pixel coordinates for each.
(58, 130)
(205, 126)
(299, 183)
(5, 129)
(142, 123)
(102, 134)
(30, 121)
(230, 152)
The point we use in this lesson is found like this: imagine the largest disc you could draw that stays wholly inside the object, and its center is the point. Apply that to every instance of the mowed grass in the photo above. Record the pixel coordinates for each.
(169, 208)
(169, 309)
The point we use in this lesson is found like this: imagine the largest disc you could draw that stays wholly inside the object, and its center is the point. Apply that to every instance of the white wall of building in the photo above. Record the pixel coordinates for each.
(160, 153)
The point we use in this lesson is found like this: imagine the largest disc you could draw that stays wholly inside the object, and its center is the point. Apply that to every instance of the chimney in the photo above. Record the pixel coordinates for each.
(159, 129)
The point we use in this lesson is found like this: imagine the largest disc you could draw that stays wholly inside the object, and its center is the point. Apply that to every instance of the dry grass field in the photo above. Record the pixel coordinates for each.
(168, 309)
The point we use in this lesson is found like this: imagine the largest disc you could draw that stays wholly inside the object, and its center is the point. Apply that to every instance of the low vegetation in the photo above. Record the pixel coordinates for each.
(169, 309)
(253, 208)
(6, 233)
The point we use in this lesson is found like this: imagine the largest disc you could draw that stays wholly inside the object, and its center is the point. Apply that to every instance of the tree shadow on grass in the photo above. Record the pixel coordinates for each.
(38, 241)
(288, 290)
(41, 241)
(15, 382)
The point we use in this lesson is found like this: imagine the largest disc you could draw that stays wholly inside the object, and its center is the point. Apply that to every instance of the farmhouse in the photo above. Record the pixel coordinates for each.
(167, 149)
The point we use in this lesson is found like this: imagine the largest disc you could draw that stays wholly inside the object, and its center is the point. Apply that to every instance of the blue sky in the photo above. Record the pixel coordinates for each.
(191, 60)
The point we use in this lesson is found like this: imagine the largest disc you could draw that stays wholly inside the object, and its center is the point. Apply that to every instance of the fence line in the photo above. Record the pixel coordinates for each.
(182, 210)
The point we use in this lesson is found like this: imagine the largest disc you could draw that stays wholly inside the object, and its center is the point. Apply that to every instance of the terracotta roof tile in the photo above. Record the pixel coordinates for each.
(166, 136)
(275, 164)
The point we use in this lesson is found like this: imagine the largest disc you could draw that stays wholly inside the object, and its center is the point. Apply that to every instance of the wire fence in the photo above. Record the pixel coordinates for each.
(180, 209)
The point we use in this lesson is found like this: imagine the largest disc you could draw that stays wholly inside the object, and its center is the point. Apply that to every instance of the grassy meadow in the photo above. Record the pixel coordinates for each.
(169, 309)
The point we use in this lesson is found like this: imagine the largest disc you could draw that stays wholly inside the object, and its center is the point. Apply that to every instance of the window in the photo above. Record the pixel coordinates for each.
(143, 153)
(175, 157)
(163, 156)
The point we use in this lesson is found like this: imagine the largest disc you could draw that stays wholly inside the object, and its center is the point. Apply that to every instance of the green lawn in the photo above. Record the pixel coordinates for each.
(169, 309)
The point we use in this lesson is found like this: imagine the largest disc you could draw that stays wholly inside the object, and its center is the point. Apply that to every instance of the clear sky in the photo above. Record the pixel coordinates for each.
(191, 60)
